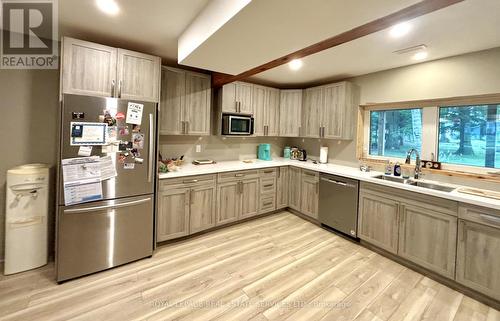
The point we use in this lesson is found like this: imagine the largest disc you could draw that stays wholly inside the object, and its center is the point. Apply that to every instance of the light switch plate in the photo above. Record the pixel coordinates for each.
(198, 148)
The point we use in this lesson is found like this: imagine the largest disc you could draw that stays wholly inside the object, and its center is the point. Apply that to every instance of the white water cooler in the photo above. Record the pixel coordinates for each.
(26, 217)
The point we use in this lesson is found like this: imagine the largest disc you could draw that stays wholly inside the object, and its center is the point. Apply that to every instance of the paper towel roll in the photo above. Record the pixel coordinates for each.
(323, 155)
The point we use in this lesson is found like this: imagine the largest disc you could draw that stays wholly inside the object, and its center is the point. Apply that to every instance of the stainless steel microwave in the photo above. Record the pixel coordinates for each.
(241, 125)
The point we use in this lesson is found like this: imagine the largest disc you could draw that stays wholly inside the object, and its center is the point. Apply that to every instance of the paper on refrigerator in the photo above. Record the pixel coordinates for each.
(81, 179)
(108, 168)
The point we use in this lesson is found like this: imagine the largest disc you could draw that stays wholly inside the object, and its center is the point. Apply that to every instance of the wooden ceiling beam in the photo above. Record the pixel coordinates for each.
(408, 13)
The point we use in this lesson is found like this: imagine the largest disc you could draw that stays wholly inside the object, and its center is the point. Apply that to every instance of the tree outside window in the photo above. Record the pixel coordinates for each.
(470, 135)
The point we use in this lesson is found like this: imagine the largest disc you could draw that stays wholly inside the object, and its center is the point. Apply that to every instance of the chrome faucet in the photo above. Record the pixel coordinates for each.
(417, 161)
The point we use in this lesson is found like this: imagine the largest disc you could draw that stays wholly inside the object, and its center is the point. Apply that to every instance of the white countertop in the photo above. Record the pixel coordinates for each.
(345, 171)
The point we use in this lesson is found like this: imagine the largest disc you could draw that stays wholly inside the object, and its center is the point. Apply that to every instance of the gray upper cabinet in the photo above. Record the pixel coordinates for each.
(273, 112)
(237, 98)
(244, 97)
(96, 70)
(478, 251)
(338, 111)
(312, 106)
(138, 76)
(172, 101)
(290, 112)
(266, 111)
(185, 103)
(328, 111)
(88, 68)
(197, 104)
(259, 105)
(428, 238)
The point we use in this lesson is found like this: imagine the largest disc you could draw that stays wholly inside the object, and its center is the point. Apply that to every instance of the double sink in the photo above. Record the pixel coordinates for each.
(406, 181)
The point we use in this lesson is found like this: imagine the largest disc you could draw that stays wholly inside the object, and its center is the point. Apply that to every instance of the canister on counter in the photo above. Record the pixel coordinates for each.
(287, 152)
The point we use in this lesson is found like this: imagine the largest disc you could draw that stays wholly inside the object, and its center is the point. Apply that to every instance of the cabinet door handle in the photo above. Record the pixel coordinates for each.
(236, 106)
(268, 172)
(239, 175)
(188, 194)
(268, 185)
(191, 198)
(190, 181)
(268, 203)
(462, 231)
(113, 83)
(279, 172)
(120, 89)
(241, 187)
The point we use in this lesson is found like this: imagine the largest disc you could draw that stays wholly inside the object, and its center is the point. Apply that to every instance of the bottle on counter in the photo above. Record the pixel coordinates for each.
(388, 168)
(397, 169)
(287, 152)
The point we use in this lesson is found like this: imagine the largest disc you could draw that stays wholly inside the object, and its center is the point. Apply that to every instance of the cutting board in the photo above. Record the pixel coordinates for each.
(479, 192)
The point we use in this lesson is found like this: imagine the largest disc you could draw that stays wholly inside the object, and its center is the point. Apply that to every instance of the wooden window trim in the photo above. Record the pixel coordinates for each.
(451, 101)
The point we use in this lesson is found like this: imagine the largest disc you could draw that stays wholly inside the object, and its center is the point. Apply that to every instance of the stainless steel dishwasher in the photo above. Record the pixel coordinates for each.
(338, 203)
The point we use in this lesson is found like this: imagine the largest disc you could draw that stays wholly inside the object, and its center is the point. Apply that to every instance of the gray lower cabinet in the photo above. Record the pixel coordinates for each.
(295, 178)
(478, 254)
(428, 238)
(185, 206)
(249, 197)
(237, 200)
(378, 221)
(282, 187)
(309, 195)
(202, 209)
(173, 214)
(228, 202)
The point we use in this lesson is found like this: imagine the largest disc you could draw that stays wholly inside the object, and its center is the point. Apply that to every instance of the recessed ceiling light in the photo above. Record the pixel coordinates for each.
(295, 64)
(421, 55)
(400, 29)
(108, 6)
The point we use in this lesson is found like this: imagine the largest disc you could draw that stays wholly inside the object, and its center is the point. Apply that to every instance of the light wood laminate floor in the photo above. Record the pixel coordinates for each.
(276, 267)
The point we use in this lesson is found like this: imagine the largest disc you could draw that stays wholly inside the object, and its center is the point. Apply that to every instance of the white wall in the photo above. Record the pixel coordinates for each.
(29, 113)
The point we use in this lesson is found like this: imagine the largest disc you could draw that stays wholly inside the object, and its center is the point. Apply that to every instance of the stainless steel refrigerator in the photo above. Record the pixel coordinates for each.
(117, 229)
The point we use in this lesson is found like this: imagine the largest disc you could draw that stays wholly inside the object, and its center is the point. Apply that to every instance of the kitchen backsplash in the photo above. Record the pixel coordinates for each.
(218, 148)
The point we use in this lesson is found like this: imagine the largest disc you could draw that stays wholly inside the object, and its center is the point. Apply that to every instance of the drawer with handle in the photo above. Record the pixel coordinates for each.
(268, 172)
(188, 181)
(481, 215)
(238, 175)
(267, 185)
(267, 204)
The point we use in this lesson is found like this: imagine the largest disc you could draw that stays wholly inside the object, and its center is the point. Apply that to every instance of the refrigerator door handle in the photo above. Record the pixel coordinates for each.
(104, 207)
(151, 147)
(113, 88)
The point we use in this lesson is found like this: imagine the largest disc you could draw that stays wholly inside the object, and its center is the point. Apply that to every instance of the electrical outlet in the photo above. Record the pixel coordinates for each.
(198, 148)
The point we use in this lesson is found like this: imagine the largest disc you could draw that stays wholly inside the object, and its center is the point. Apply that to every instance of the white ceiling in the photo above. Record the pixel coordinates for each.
(461, 28)
(267, 29)
(151, 26)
